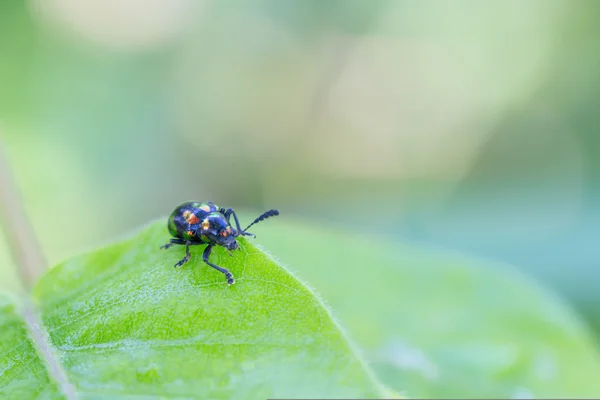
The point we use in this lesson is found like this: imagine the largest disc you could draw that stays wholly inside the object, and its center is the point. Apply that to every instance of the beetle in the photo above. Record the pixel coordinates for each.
(194, 223)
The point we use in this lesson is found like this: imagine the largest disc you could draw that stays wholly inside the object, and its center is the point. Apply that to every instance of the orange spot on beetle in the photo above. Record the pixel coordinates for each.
(190, 233)
(224, 233)
(192, 219)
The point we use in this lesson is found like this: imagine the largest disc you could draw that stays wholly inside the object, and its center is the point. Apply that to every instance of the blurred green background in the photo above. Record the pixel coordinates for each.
(460, 125)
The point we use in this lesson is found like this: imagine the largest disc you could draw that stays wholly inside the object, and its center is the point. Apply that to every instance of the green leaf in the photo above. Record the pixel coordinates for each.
(22, 373)
(124, 323)
(434, 324)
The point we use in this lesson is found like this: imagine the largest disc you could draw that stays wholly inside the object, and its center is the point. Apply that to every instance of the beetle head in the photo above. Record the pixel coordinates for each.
(216, 227)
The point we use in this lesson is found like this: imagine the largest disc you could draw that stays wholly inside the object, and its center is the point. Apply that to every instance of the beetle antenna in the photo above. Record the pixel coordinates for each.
(265, 215)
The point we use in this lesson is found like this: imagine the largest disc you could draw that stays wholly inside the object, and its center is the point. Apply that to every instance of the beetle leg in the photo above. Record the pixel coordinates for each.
(187, 255)
(187, 249)
(206, 254)
(172, 242)
(228, 213)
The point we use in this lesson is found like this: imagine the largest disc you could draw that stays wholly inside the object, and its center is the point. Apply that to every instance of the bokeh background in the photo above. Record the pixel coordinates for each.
(465, 126)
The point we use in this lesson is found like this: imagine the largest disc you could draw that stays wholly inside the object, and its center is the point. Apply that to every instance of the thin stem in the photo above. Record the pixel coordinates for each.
(30, 261)
(20, 236)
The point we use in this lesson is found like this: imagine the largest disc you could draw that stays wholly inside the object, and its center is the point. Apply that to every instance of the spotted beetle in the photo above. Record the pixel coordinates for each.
(194, 223)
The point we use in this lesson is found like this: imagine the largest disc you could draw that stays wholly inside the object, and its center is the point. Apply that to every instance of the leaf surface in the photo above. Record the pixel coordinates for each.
(125, 324)
(23, 374)
(435, 324)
